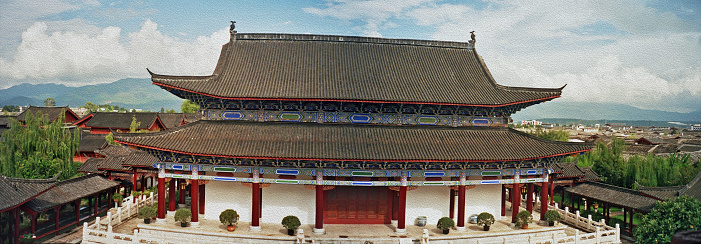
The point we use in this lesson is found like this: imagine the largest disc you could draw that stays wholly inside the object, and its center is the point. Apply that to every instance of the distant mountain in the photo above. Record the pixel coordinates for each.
(600, 111)
(129, 93)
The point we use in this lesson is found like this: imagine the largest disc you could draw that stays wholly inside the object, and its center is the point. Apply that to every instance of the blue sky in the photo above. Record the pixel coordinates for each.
(641, 53)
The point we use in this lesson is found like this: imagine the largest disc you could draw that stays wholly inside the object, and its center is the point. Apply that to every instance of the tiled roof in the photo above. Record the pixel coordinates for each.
(113, 163)
(589, 174)
(70, 190)
(660, 193)
(5, 120)
(171, 120)
(342, 68)
(52, 113)
(350, 142)
(567, 170)
(121, 120)
(91, 142)
(192, 117)
(693, 189)
(650, 140)
(90, 166)
(139, 159)
(114, 150)
(15, 191)
(616, 195)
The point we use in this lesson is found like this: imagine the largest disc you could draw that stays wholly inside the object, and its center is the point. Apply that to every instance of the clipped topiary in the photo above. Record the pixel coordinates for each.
(445, 223)
(147, 213)
(229, 217)
(291, 222)
(523, 218)
(183, 216)
(551, 216)
(485, 219)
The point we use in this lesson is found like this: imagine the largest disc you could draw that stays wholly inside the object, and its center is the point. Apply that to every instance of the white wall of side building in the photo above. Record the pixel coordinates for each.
(221, 195)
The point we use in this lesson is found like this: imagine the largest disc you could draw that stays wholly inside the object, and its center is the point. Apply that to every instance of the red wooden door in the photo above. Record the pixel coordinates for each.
(357, 205)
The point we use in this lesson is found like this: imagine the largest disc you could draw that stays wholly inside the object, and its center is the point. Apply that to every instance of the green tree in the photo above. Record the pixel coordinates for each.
(49, 102)
(38, 149)
(171, 111)
(667, 218)
(110, 139)
(674, 130)
(10, 108)
(91, 107)
(134, 127)
(189, 107)
(553, 135)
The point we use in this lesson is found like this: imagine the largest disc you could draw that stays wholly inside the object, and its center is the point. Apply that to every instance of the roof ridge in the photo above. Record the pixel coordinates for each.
(354, 39)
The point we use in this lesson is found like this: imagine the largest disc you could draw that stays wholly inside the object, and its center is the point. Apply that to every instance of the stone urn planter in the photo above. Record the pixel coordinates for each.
(420, 221)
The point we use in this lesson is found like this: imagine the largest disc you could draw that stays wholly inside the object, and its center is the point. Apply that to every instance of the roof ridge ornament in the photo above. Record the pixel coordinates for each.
(232, 30)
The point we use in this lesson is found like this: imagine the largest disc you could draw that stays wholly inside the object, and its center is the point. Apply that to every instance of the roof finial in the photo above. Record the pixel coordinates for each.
(472, 35)
(232, 27)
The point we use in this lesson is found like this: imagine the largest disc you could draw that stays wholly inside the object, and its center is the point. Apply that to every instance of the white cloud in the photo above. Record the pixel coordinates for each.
(76, 58)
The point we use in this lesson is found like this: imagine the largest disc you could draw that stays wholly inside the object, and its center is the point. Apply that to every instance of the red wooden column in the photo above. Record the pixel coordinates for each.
(630, 223)
(181, 187)
(143, 183)
(171, 195)
(134, 181)
(551, 181)
(17, 216)
(255, 217)
(544, 187)
(452, 204)
(401, 228)
(194, 187)
(461, 202)
(97, 202)
(503, 200)
(319, 216)
(77, 210)
(515, 197)
(56, 211)
(201, 198)
(34, 223)
(529, 197)
(161, 193)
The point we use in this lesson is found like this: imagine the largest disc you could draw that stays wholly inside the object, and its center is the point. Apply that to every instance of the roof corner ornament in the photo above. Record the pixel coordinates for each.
(472, 36)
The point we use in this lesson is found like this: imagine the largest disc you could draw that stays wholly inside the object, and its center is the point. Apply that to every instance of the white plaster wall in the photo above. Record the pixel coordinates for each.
(221, 195)
(279, 200)
(482, 198)
(430, 201)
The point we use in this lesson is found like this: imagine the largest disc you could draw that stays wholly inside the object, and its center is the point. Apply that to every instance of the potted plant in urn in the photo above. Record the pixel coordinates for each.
(118, 198)
(183, 216)
(229, 217)
(445, 224)
(523, 218)
(147, 213)
(485, 219)
(551, 216)
(291, 223)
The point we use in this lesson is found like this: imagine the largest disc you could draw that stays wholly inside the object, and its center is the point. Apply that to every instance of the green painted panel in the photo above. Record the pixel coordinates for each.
(434, 183)
(221, 169)
(290, 116)
(287, 181)
(490, 173)
(427, 120)
(362, 173)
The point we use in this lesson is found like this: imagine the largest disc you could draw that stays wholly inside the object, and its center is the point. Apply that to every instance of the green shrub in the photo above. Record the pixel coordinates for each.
(445, 223)
(183, 215)
(118, 197)
(228, 217)
(485, 219)
(147, 212)
(523, 218)
(291, 222)
(669, 217)
(552, 215)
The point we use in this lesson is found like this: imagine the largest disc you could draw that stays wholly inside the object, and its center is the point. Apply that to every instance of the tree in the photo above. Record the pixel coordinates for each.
(189, 107)
(38, 149)
(134, 127)
(674, 130)
(667, 218)
(10, 108)
(91, 107)
(49, 102)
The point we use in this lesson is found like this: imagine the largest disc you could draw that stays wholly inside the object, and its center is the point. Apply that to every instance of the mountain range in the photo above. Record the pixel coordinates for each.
(141, 94)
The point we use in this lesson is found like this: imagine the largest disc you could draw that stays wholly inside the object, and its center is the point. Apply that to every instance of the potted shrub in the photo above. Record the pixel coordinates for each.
(183, 216)
(118, 198)
(445, 224)
(147, 213)
(485, 219)
(551, 216)
(229, 217)
(523, 218)
(291, 223)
